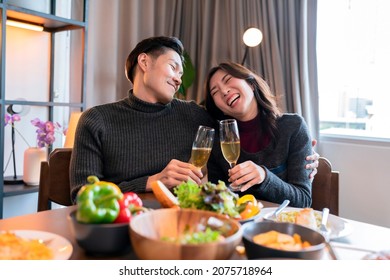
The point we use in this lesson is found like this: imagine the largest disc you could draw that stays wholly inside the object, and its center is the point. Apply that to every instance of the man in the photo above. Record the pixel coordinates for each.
(146, 136)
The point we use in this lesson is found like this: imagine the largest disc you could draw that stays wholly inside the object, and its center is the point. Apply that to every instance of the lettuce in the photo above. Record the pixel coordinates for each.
(188, 195)
(208, 196)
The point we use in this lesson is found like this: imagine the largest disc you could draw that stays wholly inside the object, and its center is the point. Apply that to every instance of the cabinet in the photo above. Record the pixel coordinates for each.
(42, 74)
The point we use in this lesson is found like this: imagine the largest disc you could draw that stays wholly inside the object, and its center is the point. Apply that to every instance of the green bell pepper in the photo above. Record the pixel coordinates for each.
(98, 202)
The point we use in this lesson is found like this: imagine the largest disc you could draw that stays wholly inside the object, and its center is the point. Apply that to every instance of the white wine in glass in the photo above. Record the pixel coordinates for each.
(231, 151)
(230, 143)
(201, 147)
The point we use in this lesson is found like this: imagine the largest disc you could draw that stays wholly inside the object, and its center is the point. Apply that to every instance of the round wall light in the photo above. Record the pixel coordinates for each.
(252, 37)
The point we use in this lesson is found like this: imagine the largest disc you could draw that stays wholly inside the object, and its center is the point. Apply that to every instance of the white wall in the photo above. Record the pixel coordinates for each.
(364, 177)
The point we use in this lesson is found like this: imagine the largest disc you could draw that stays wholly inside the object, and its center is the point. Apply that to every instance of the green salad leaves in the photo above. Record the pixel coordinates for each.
(198, 237)
(212, 197)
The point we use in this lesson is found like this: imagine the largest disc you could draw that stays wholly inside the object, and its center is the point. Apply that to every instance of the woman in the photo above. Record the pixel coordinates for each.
(273, 145)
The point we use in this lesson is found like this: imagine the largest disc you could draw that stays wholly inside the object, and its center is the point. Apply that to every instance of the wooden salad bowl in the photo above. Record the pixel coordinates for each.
(149, 233)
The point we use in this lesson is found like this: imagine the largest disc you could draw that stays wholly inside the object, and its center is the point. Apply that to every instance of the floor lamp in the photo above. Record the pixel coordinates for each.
(15, 179)
(252, 37)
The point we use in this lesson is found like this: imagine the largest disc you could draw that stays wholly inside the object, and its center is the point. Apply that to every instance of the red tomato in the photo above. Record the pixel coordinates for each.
(124, 216)
(130, 198)
(127, 204)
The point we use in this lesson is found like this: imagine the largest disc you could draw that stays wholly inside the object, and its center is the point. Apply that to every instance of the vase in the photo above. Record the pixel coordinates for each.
(33, 157)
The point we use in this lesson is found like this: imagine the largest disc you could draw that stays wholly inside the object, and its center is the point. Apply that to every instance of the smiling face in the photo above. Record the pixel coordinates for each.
(159, 77)
(233, 96)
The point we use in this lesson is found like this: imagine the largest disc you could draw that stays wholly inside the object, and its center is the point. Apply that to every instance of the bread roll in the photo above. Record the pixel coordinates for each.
(306, 217)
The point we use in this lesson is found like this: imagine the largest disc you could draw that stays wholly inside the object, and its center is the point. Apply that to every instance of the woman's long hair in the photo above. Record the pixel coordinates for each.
(268, 111)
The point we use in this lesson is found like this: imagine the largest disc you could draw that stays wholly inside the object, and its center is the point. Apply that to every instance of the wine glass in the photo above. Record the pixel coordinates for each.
(230, 143)
(201, 147)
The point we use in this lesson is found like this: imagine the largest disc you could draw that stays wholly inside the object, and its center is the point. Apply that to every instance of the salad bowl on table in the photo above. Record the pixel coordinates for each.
(184, 234)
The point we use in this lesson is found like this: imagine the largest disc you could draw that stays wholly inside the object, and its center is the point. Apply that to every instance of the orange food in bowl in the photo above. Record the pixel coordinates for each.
(254, 250)
(166, 198)
(281, 241)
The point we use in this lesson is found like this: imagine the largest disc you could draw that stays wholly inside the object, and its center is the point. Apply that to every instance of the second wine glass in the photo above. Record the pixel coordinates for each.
(230, 143)
(201, 147)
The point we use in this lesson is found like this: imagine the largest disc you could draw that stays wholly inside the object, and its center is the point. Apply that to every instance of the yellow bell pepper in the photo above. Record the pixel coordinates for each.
(246, 198)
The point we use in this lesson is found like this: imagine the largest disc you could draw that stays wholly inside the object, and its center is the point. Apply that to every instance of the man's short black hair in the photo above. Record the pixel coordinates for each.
(155, 45)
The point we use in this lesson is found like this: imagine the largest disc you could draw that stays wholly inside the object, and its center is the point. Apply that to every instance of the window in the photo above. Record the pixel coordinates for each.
(353, 43)
(28, 76)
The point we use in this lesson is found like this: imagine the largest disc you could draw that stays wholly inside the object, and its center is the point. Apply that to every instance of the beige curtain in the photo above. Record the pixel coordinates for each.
(211, 31)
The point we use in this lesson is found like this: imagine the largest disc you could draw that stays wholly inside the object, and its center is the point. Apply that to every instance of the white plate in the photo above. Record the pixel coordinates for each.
(339, 227)
(61, 247)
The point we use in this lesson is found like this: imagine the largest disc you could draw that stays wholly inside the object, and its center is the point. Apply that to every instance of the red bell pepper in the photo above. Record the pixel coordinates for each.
(130, 204)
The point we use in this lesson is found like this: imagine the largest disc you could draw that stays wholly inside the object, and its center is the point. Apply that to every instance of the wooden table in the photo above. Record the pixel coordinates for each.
(364, 236)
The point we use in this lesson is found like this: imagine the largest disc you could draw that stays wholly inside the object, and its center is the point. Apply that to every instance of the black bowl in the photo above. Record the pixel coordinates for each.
(257, 251)
(101, 239)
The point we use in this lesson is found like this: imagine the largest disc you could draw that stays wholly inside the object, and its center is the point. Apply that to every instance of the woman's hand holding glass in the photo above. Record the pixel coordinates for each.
(230, 143)
(246, 175)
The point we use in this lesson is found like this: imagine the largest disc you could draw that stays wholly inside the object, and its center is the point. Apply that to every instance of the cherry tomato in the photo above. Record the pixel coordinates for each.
(130, 198)
(130, 203)
(124, 216)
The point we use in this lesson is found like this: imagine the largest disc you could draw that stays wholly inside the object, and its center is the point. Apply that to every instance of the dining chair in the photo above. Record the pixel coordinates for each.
(54, 183)
(325, 187)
